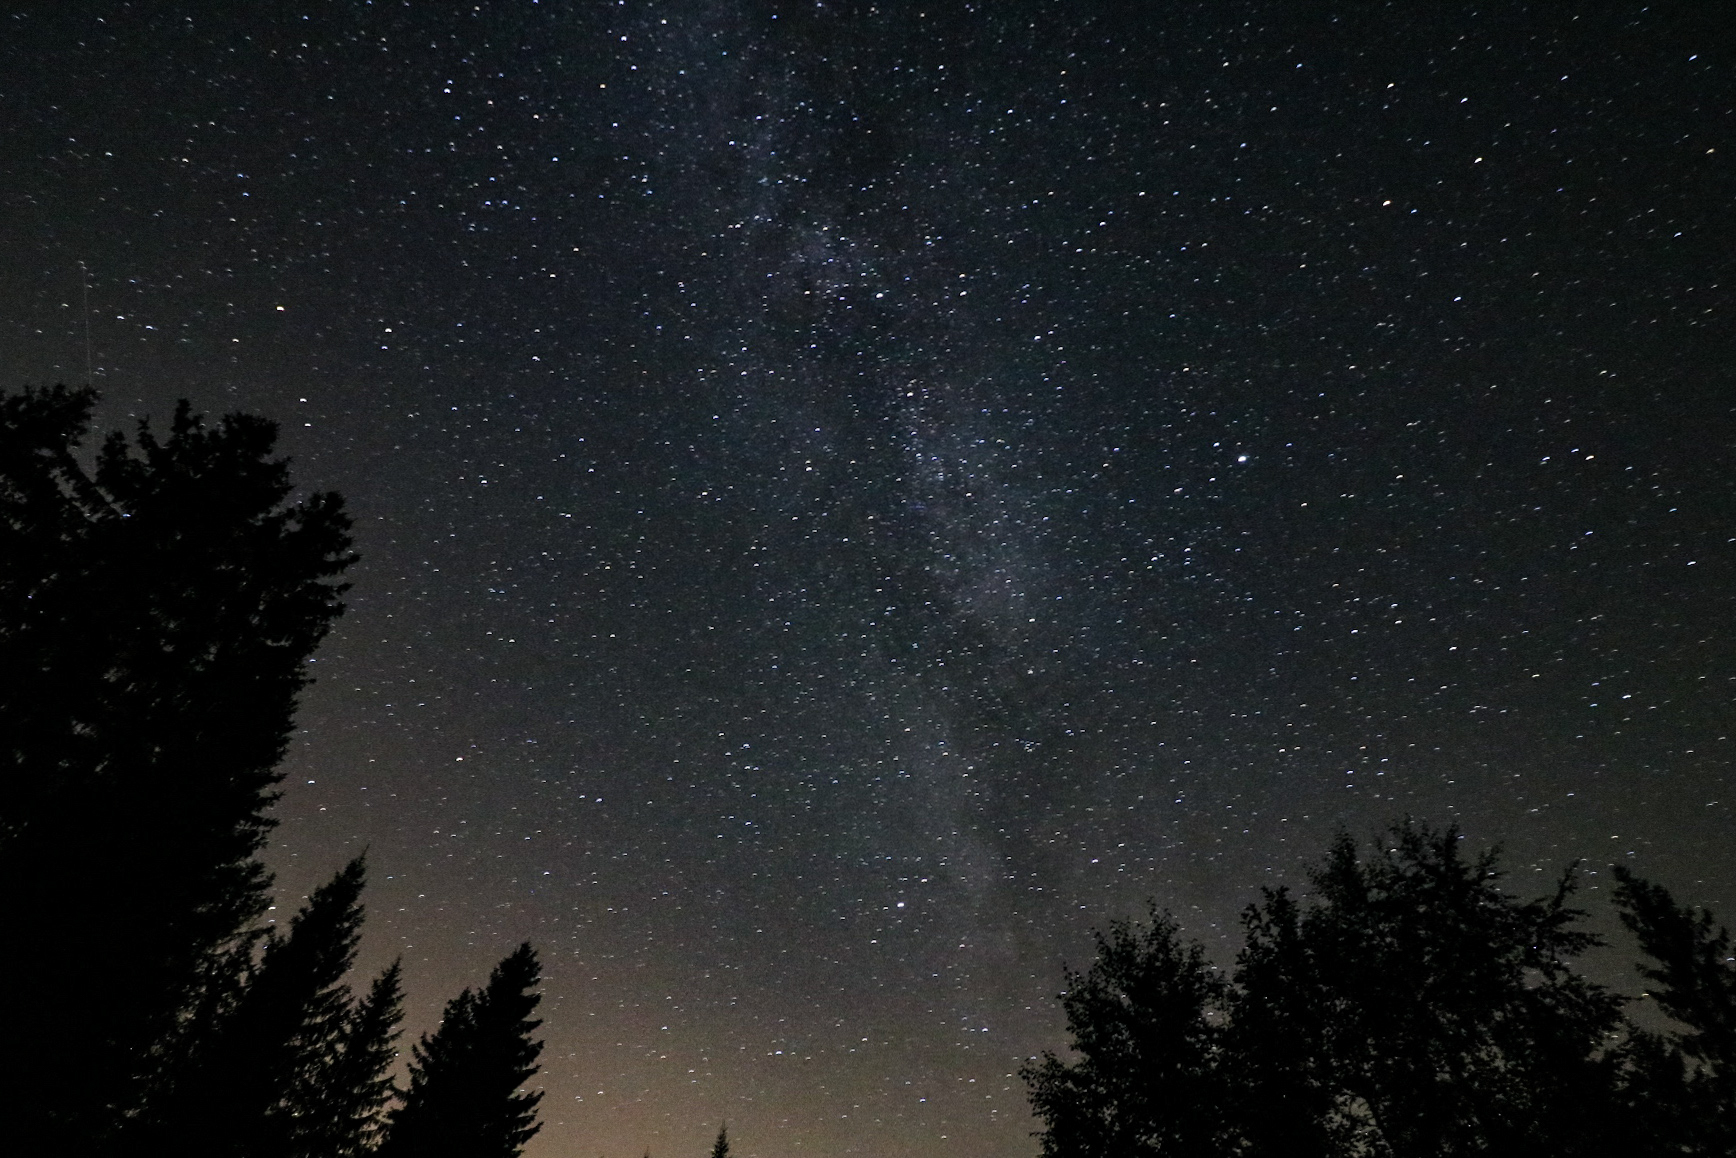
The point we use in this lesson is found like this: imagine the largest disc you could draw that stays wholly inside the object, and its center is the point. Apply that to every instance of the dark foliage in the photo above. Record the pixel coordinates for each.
(1453, 1023)
(464, 1099)
(1148, 1076)
(346, 1112)
(720, 1148)
(1690, 1076)
(1281, 1089)
(1413, 1009)
(288, 1064)
(156, 613)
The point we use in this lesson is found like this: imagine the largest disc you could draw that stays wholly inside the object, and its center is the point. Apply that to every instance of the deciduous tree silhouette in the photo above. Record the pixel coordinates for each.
(1150, 1078)
(464, 1099)
(1282, 1094)
(156, 614)
(1412, 1008)
(1454, 1024)
(1692, 1070)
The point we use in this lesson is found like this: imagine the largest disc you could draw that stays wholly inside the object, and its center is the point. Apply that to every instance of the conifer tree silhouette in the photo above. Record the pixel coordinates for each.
(346, 1109)
(464, 1099)
(156, 614)
(720, 1148)
(288, 1065)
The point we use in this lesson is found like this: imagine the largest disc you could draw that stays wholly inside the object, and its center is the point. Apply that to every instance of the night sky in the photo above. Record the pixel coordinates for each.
(851, 498)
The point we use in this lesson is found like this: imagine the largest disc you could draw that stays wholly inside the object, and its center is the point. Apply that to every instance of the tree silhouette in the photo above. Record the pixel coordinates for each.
(1149, 1078)
(720, 1148)
(1284, 1094)
(156, 613)
(1411, 1008)
(464, 1099)
(346, 1111)
(1691, 1071)
(286, 1064)
(1454, 1021)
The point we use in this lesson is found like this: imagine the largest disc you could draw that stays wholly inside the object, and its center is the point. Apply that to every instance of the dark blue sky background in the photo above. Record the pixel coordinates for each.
(852, 496)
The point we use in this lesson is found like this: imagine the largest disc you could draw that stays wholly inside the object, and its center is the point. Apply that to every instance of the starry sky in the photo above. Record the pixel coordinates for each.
(853, 496)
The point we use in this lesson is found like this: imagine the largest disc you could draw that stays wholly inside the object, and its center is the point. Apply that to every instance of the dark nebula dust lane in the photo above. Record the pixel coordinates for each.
(853, 496)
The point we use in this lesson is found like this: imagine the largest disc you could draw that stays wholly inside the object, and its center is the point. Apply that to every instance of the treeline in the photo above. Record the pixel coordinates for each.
(157, 611)
(1411, 1008)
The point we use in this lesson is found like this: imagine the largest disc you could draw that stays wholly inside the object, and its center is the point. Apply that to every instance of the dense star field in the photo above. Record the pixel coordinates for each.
(852, 497)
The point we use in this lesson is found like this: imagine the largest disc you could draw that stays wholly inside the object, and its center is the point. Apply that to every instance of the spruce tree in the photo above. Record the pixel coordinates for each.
(156, 614)
(720, 1148)
(290, 1066)
(345, 1110)
(464, 1099)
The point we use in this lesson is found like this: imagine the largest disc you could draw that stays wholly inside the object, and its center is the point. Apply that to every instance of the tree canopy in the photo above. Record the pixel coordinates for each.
(156, 613)
(1412, 1007)
(464, 1098)
(159, 601)
(286, 1063)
